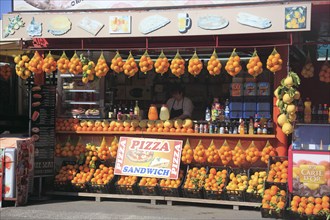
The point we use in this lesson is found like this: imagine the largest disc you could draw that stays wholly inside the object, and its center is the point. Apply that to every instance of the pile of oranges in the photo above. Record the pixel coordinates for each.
(254, 67)
(103, 152)
(211, 153)
(75, 65)
(274, 61)
(79, 149)
(168, 183)
(274, 199)
(267, 152)
(65, 151)
(195, 65)
(114, 147)
(66, 173)
(35, 64)
(200, 153)
(187, 153)
(117, 63)
(177, 65)
(22, 66)
(101, 68)
(161, 64)
(103, 175)
(130, 67)
(84, 176)
(63, 63)
(238, 182)
(214, 65)
(310, 206)
(225, 153)
(215, 180)
(49, 64)
(252, 154)
(148, 181)
(145, 63)
(127, 180)
(239, 155)
(278, 172)
(66, 124)
(233, 65)
(195, 178)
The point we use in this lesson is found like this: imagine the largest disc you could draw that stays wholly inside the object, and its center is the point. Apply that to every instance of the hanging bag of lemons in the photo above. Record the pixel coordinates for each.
(233, 65)
(211, 153)
(187, 153)
(254, 65)
(145, 63)
(214, 64)
(267, 152)
(308, 69)
(177, 65)
(101, 68)
(195, 65)
(49, 64)
(225, 153)
(88, 69)
(114, 148)
(324, 74)
(287, 99)
(252, 153)
(239, 154)
(274, 61)
(75, 65)
(199, 153)
(117, 63)
(21, 67)
(130, 66)
(35, 64)
(63, 63)
(161, 64)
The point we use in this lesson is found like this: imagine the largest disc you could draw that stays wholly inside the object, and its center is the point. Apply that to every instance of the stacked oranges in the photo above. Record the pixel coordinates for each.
(130, 67)
(195, 178)
(49, 64)
(254, 66)
(278, 172)
(310, 205)
(267, 152)
(145, 63)
(35, 64)
(66, 173)
(233, 65)
(75, 65)
(274, 199)
(215, 180)
(84, 176)
(161, 64)
(127, 180)
(199, 153)
(101, 68)
(147, 181)
(214, 65)
(103, 152)
(187, 153)
(117, 63)
(177, 65)
(103, 175)
(195, 65)
(63, 63)
(168, 183)
(274, 61)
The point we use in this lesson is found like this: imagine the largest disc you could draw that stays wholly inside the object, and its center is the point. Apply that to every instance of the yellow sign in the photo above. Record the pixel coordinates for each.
(312, 174)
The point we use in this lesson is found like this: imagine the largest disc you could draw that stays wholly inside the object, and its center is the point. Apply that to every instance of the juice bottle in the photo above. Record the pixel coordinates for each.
(307, 111)
(153, 113)
(164, 113)
(137, 110)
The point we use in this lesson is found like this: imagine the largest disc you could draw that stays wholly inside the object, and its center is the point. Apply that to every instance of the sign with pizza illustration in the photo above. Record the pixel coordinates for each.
(148, 157)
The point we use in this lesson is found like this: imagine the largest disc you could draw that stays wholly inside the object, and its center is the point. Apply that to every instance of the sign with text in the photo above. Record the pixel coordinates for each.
(148, 157)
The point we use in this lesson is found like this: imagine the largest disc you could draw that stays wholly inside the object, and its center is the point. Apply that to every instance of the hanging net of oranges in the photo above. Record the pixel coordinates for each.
(101, 68)
(117, 63)
(161, 64)
(88, 69)
(254, 66)
(63, 63)
(238, 154)
(252, 153)
(195, 65)
(187, 153)
(274, 61)
(177, 65)
(35, 64)
(225, 153)
(75, 65)
(145, 63)
(267, 152)
(21, 68)
(214, 64)
(130, 66)
(49, 64)
(212, 155)
(199, 153)
(233, 65)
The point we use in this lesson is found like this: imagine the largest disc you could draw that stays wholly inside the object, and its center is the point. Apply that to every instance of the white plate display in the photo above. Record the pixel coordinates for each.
(59, 25)
(212, 22)
(152, 23)
(90, 25)
(253, 20)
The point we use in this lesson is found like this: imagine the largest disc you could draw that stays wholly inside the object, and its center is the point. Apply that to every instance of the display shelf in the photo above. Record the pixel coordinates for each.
(69, 75)
(71, 102)
(81, 90)
(268, 136)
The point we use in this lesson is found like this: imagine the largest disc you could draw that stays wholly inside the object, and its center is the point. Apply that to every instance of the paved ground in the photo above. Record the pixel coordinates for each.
(80, 209)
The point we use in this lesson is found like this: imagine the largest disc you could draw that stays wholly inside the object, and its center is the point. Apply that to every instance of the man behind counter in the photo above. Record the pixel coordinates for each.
(180, 106)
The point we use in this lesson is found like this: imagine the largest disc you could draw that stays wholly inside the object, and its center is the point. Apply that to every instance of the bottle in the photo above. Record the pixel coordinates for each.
(131, 111)
(320, 114)
(164, 113)
(241, 126)
(307, 111)
(270, 126)
(264, 129)
(325, 113)
(251, 129)
(255, 124)
(246, 127)
(215, 109)
(110, 112)
(119, 114)
(153, 112)
(259, 130)
(314, 114)
(227, 111)
(207, 114)
(125, 109)
(115, 112)
(137, 110)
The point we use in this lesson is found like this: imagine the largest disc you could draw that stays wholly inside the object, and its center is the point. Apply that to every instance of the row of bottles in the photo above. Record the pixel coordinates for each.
(123, 111)
(217, 112)
(316, 113)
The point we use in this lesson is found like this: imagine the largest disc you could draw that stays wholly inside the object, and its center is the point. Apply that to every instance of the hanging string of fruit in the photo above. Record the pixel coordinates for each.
(287, 97)
(117, 63)
(274, 61)
(22, 64)
(101, 68)
(177, 65)
(187, 153)
(130, 66)
(63, 63)
(254, 65)
(239, 154)
(233, 65)
(324, 74)
(5, 72)
(252, 153)
(308, 69)
(75, 65)
(161, 64)
(225, 153)
(195, 65)
(35, 64)
(145, 63)
(214, 64)
(199, 153)
(49, 64)
(88, 69)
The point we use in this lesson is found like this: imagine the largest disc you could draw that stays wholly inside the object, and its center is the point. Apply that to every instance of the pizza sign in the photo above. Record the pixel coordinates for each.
(148, 157)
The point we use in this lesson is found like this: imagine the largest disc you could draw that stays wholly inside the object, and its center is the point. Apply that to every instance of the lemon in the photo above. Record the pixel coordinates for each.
(296, 95)
(291, 108)
(292, 117)
(287, 99)
(287, 128)
(282, 119)
(288, 82)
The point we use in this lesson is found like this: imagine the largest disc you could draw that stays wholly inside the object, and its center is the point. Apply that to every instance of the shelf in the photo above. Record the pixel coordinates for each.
(268, 136)
(69, 75)
(81, 103)
(81, 90)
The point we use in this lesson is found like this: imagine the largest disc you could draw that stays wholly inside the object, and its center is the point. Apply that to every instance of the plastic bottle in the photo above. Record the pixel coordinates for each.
(153, 113)
(227, 111)
(307, 111)
(137, 110)
(164, 113)
(241, 129)
(251, 129)
(207, 114)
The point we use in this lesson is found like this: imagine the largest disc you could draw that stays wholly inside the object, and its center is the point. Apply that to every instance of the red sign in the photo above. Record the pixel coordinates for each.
(148, 157)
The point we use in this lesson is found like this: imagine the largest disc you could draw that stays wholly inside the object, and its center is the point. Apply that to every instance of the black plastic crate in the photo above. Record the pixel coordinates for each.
(272, 213)
(236, 195)
(80, 187)
(171, 191)
(128, 189)
(193, 193)
(217, 195)
(255, 196)
(149, 190)
(103, 188)
(65, 186)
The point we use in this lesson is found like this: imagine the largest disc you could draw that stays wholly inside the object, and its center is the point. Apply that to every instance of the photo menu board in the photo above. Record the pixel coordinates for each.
(43, 128)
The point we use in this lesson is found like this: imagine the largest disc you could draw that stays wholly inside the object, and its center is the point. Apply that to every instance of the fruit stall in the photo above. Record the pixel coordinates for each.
(101, 129)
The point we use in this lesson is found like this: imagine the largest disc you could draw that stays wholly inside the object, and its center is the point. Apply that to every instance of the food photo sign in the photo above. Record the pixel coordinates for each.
(148, 157)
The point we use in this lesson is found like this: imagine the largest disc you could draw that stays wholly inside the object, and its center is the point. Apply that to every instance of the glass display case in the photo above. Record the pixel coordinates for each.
(79, 100)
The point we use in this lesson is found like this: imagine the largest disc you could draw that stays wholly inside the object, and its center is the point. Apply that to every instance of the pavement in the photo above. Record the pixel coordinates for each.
(86, 208)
